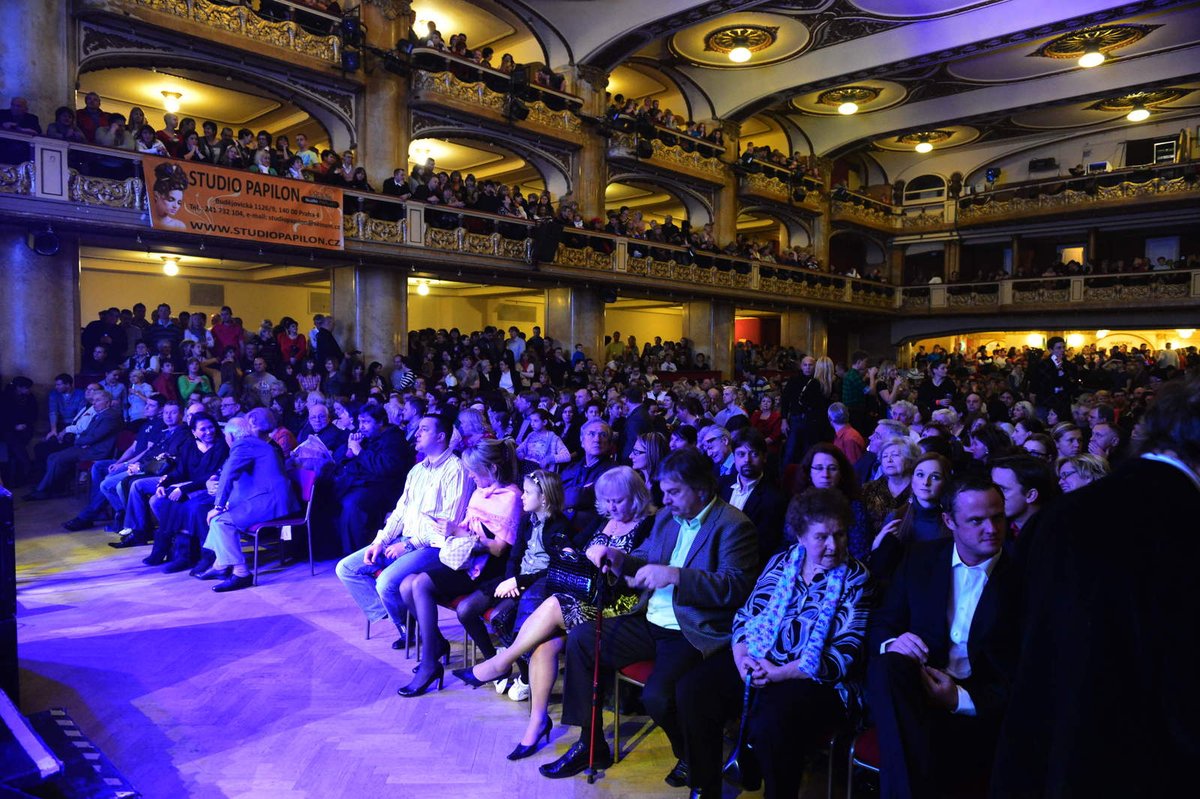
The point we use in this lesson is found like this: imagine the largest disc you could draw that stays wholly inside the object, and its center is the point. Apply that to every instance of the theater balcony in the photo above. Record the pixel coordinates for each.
(284, 30)
(442, 80)
(1145, 290)
(862, 210)
(641, 145)
(762, 181)
(1161, 186)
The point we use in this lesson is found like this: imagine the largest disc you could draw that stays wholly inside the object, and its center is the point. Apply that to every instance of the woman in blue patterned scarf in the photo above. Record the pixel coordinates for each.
(799, 641)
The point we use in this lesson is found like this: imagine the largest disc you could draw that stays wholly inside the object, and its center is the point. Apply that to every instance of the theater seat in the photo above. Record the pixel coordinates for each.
(633, 674)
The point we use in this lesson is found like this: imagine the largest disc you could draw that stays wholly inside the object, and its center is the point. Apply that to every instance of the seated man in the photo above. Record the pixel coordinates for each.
(714, 441)
(319, 425)
(748, 490)
(579, 478)
(944, 643)
(95, 442)
(253, 488)
(368, 476)
(437, 488)
(695, 569)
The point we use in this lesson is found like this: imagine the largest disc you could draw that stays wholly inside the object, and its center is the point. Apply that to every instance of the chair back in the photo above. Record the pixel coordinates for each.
(306, 480)
(125, 439)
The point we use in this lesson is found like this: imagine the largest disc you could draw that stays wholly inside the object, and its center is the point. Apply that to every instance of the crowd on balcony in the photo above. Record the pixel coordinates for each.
(829, 507)
(1127, 273)
(647, 117)
(773, 161)
(458, 48)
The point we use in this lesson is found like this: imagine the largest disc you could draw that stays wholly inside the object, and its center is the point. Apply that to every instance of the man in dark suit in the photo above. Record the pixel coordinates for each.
(318, 424)
(327, 345)
(637, 421)
(748, 490)
(943, 645)
(1105, 699)
(368, 477)
(579, 478)
(253, 488)
(95, 442)
(695, 569)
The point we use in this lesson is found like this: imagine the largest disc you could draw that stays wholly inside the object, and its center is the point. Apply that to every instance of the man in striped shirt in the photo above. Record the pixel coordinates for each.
(438, 487)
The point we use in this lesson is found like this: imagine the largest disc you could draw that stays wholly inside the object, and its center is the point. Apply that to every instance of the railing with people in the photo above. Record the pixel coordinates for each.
(467, 71)
(1127, 288)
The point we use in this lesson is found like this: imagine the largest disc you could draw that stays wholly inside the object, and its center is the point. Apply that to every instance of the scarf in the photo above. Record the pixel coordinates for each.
(763, 630)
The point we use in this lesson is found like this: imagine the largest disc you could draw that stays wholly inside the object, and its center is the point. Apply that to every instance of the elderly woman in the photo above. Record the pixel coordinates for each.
(626, 516)
(1076, 472)
(888, 494)
(798, 640)
(253, 488)
(490, 525)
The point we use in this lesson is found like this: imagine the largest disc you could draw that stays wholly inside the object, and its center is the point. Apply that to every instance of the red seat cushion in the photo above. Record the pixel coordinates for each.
(866, 748)
(638, 672)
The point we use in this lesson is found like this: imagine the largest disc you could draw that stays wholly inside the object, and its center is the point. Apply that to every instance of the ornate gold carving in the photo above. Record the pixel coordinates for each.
(859, 95)
(542, 114)
(766, 184)
(754, 38)
(600, 260)
(446, 85)
(1039, 295)
(930, 136)
(481, 243)
(16, 178)
(1104, 38)
(1148, 99)
(242, 21)
(625, 145)
(923, 219)
(440, 239)
(869, 214)
(597, 77)
(911, 300)
(1024, 206)
(972, 298)
(391, 9)
(102, 191)
(385, 230)
(516, 249)
(638, 266)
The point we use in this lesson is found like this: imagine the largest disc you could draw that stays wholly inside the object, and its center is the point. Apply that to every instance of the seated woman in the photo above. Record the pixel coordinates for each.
(987, 443)
(1074, 473)
(922, 520)
(799, 640)
(519, 591)
(491, 521)
(648, 451)
(890, 492)
(626, 518)
(826, 466)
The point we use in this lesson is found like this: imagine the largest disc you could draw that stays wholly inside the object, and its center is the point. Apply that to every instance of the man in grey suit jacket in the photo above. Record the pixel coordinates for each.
(253, 488)
(695, 569)
(95, 442)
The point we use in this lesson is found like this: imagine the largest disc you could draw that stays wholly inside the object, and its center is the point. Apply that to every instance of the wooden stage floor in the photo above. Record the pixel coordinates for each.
(271, 692)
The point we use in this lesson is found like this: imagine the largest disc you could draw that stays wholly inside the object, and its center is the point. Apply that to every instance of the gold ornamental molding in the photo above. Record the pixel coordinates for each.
(1072, 199)
(1104, 38)
(859, 95)
(244, 22)
(445, 84)
(754, 38)
(931, 136)
(1147, 99)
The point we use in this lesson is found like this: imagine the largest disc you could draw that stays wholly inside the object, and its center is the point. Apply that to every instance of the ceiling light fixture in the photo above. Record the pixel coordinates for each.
(170, 265)
(423, 288)
(1092, 57)
(1140, 113)
(171, 101)
(848, 108)
(740, 53)
(923, 147)
(1102, 333)
(1185, 332)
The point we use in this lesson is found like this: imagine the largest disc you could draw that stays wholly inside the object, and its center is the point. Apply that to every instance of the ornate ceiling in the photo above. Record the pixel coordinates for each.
(984, 71)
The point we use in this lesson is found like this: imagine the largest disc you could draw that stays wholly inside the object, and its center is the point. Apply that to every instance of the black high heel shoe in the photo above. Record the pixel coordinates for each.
(443, 654)
(468, 676)
(438, 675)
(522, 751)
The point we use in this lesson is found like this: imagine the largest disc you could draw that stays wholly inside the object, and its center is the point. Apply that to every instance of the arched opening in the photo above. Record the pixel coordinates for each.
(550, 167)
(486, 24)
(924, 188)
(765, 225)
(763, 131)
(640, 82)
(850, 250)
(485, 162)
(656, 199)
(923, 262)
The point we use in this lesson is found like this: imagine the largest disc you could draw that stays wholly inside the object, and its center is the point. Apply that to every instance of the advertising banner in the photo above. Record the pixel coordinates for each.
(211, 201)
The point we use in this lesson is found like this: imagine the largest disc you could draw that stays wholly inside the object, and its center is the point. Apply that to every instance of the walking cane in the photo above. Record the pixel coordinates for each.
(741, 768)
(601, 584)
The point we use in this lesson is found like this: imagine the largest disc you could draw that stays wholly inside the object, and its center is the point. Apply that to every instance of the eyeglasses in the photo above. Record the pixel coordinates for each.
(827, 469)
(1066, 475)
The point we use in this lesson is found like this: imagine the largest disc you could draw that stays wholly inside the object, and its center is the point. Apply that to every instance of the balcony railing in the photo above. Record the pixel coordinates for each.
(625, 146)
(1080, 194)
(783, 187)
(1126, 289)
(296, 33)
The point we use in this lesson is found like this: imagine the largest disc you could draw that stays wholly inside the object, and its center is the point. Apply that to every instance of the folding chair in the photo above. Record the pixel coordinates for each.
(307, 480)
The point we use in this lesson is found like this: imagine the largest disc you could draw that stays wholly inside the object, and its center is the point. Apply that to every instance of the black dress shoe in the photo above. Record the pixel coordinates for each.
(575, 761)
(402, 641)
(679, 775)
(215, 574)
(234, 583)
(127, 541)
(175, 566)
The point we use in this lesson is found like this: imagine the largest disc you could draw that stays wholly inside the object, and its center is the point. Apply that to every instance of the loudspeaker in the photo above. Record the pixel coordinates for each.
(44, 242)
(608, 295)
(645, 149)
(520, 80)
(515, 109)
(351, 60)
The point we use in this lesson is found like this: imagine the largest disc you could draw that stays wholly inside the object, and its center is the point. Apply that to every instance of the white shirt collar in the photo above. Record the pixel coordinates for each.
(987, 565)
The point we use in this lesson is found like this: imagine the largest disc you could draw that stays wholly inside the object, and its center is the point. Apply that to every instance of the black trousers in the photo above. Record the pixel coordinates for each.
(625, 640)
(925, 752)
(788, 721)
(362, 511)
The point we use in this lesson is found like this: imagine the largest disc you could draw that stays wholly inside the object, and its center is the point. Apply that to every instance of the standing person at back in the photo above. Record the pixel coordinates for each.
(855, 386)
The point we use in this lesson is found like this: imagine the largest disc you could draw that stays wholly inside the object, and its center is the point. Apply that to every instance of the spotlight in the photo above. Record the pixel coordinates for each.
(992, 175)
(1091, 58)
(170, 266)
(351, 60)
(171, 101)
(1139, 113)
(923, 147)
(848, 108)
(423, 288)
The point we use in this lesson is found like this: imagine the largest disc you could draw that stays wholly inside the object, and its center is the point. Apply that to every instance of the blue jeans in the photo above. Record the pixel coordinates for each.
(380, 596)
(106, 489)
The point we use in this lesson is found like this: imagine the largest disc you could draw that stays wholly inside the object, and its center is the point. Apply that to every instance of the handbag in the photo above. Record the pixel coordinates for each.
(572, 574)
(456, 551)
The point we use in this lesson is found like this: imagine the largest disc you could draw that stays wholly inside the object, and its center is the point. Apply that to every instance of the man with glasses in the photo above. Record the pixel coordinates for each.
(579, 479)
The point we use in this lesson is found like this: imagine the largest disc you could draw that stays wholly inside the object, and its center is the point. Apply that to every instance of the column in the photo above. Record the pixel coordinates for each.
(820, 240)
(894, 273)
(804, 330)
(575, 316)
(708, 324)
(384, 129)
(370, 310)
(37, 62)
(1093, 246)
(591, 180)
(725, 205)
(952, 260)
(39, 310)
(1016, 254)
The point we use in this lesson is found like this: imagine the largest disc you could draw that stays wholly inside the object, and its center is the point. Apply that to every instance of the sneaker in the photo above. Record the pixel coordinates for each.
(124, 531)
(502, 685)
(519, 691)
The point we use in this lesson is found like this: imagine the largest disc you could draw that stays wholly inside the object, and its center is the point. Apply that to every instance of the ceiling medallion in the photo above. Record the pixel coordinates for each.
(858, 95)
(1147, 99)
(1102, 39)
(754, 38)
(925, 136)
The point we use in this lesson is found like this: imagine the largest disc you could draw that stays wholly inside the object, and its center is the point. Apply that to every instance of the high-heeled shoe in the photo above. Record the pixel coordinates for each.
(438, 675)
(522, 751)
(468, 676)
(443, 654)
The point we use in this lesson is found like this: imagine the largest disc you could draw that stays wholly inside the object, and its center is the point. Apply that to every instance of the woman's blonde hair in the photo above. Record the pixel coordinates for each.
(499, 457)
(823, 372)
(624, 480)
